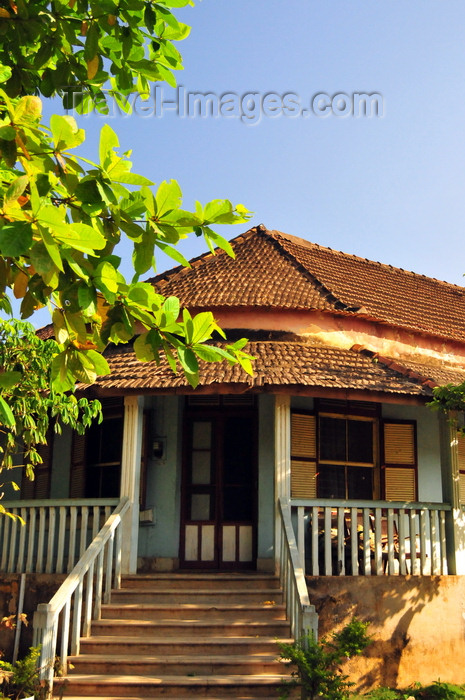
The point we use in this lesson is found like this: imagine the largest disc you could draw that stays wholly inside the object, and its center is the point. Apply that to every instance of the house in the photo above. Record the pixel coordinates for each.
(332, 436)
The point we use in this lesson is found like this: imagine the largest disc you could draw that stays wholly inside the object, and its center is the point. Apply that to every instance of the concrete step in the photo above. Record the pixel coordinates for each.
(180, 645)
(230, 581)
(177, 664)
(190, 629)
(221, 686)
(221, 612)
(199, 596)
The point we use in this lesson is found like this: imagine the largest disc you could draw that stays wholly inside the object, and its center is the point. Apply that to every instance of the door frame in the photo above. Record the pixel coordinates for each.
(212, 412)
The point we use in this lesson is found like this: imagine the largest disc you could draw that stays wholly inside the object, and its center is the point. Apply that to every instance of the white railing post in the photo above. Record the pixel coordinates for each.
(282, 446)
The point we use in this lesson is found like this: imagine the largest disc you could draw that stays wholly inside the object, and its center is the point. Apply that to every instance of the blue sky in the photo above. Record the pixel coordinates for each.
(391, 188)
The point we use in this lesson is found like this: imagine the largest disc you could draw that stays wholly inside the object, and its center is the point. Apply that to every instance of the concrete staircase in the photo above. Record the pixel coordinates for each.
(184, 636)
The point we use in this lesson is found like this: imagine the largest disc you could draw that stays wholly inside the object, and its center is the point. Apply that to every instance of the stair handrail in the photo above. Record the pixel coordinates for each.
(102, 557)
(301, 614)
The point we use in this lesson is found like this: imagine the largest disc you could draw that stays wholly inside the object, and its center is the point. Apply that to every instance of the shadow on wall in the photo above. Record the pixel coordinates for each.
(416, 622)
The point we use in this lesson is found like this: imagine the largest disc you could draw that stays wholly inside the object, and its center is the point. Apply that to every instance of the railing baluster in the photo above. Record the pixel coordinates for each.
(41, 540)
(415, 563)
(13, 535)
(423, 554)
(401, 543)
(22, 543)
(328, 562)
(99, 587)
(340, 541)
(354, 540)
(315, 563)
(109, 569)
(390, 542)
(379, 564)
(61, 540)
(77, 614)
(31, 531)
(84, 523)
(366, 542)
(435, 550)
(65, 637)
(72, 538)
(50, 540)
(442, 531)
(88, 606)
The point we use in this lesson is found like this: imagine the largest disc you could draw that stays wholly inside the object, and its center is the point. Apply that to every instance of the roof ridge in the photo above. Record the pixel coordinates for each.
(309, 244)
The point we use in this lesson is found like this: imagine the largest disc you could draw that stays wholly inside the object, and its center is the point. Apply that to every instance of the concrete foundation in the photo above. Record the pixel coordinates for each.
(417, 624)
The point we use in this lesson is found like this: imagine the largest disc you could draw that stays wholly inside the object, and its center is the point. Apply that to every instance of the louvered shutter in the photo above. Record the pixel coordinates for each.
(77, 482)
(303, 455)
(461, 465)
(400, 469)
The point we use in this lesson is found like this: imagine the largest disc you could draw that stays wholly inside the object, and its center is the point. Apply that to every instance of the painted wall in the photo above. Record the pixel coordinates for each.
(428, 447)
(417, 624)
(161, 537)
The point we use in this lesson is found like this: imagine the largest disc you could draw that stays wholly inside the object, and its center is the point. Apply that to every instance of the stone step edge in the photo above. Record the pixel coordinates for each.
(120, 622)
(193, 591)
(195, 641)
(227, 607)
(174, 658)
(217, 680)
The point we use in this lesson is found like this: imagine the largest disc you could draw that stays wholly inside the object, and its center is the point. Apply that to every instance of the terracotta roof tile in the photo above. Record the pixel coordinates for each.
(276, 270)
(277, 363)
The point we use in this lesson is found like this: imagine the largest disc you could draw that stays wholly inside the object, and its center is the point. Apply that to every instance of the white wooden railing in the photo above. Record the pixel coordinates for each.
(49, 536)
(78, 600)
(301, 615)
(370, 537)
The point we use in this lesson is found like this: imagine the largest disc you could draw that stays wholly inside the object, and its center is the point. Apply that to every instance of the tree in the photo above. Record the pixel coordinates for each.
(61, 215)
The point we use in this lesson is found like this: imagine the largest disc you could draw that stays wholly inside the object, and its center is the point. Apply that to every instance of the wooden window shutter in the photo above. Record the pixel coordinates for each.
(400, 464)
(303, 455)
(77, 481)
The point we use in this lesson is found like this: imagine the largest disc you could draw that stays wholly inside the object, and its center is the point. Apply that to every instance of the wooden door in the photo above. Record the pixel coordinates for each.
(218, 528)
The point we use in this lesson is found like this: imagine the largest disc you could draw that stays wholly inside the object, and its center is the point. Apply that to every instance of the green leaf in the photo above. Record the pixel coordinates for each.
(106, 278)
(168, 197)
(81, 237)
(203, 326)
(5, 73)
(9, 379)
(6, 415)
(16, 189)
(65, 132)
(188, 360)
(108, 142)
(15, 239)
(101, 366)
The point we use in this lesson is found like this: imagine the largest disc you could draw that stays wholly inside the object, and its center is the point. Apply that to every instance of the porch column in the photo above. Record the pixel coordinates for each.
(282, 433)
(455, 522)
(130, 478)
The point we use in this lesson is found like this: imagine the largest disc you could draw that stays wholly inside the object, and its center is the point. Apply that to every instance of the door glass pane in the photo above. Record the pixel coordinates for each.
(237, 504)
(331, 482)
(360, 441)
(201, 435)
(238, 471)
(200, 506)
(333, 439)
(201, 468)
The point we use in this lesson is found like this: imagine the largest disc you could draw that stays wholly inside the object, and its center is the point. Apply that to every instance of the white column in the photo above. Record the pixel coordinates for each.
(455, 523)
(282, 433)
(130, 478)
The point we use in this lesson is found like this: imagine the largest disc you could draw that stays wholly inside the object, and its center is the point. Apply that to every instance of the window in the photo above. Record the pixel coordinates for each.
(346, 457)
(347, 452)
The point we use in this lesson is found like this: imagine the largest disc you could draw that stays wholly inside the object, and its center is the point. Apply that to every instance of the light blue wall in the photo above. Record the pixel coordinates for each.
(161, 538)
(428, 447)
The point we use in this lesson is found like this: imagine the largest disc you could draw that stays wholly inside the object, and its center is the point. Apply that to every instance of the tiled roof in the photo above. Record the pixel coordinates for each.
(277, 363)
(279, 271)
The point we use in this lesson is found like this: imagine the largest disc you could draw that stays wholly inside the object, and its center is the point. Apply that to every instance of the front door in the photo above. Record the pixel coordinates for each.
(218, 528)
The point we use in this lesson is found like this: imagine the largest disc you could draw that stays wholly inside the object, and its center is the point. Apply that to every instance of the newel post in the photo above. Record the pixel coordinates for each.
(455, 519)
(282, 435)
(130, 478)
